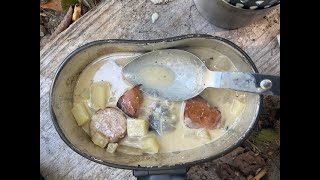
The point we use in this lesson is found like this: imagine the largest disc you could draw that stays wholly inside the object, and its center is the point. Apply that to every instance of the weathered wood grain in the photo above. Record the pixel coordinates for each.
(129, 19)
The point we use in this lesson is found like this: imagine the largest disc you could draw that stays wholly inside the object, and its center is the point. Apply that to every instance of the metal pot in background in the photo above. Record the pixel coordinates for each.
(232, 14)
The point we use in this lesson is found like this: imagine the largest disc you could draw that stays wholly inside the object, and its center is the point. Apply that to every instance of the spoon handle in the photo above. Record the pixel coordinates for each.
(248, 82)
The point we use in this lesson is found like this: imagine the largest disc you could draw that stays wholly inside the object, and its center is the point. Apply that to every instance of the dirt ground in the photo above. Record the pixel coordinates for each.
(259, 154)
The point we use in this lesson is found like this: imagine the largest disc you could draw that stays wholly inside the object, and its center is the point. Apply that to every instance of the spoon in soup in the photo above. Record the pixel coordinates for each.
(179, 75)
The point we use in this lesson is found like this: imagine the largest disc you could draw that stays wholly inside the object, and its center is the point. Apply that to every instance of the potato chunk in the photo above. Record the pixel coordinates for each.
(203, 133)
(150, 145)
(86, 128)
(80, 113)
(112, 147)
(237, 107)
(100, 140)
(98, 95)
(129, 150)
(137, 127)
(89, 110)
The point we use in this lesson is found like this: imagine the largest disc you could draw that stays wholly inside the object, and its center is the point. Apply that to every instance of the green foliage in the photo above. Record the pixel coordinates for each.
(67, 3)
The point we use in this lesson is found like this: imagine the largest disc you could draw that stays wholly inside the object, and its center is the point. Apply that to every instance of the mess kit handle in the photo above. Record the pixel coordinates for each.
(170, 174)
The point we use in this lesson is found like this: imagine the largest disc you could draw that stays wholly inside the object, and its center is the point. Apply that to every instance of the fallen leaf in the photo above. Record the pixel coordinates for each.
(52, 4)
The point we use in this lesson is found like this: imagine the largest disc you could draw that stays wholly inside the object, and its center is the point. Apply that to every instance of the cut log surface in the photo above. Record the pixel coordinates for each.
(127, 19)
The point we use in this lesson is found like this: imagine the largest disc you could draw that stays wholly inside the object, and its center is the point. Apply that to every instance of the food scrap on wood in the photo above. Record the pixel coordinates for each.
(154, 17)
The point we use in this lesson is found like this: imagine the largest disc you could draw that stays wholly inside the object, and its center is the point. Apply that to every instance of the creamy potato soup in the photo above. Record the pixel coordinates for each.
(119, 117)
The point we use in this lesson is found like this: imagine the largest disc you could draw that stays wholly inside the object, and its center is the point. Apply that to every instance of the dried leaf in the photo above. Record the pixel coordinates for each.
(67, 3)
(64, 24)
(76, 12)
(52, 4)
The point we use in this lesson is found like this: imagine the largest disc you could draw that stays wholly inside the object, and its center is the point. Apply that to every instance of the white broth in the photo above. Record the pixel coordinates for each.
(172, 133)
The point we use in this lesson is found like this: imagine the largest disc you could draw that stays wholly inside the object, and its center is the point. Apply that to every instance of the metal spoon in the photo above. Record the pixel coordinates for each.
(179, 75)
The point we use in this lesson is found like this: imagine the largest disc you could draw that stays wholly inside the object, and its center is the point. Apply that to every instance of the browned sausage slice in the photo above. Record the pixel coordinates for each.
(110, 122)
(199, 114)
(130, 102)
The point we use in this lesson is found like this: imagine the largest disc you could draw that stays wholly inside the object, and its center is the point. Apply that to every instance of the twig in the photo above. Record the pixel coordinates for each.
(261, 174)
(254, 146)
(64, 24)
